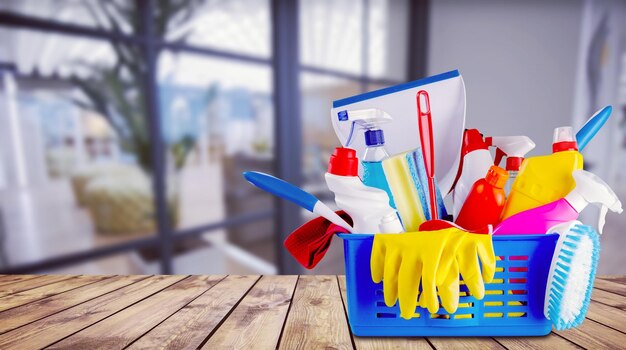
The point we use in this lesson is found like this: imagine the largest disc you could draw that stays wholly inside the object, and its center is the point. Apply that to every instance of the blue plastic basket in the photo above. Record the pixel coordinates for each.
(512, 306)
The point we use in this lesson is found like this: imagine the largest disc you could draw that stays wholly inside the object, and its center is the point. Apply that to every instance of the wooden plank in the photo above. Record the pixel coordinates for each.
(607, 315)
(609, 298)
(257, 321)
(31, 283)
(549, 342)
(31, 312)
(593, 335)
(190, 326)
(614, 278)
(374, 343)
(316, 319)
(126, 326)
(8, 279)
(464, 343)
(28, 296)
(610, 286)
(51, 329)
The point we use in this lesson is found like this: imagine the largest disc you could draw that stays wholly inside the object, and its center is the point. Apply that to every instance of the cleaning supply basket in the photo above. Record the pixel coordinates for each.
(512, 306)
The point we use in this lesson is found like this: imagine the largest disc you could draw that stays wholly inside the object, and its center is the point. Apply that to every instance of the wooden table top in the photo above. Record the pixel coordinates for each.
(238, 312)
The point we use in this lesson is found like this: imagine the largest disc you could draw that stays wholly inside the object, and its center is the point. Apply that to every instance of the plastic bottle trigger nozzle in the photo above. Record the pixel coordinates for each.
(591, 189)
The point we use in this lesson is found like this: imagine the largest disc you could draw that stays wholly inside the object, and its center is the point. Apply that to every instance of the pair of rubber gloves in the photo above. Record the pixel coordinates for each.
(436, 258)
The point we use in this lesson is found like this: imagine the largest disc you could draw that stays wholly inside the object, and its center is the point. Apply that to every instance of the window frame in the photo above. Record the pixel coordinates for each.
(286, 68)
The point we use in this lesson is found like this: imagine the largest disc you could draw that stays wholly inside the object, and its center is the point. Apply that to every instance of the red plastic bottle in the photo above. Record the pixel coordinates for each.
(485, 202)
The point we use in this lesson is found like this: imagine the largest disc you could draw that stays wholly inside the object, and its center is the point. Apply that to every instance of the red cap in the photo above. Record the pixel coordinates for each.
(514, 163)
(344, 162)
(564, 139)
(473, 140)
(497, 176)
(564, 146)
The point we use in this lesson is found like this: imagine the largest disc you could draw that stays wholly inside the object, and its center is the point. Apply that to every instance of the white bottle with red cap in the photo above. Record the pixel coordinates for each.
(475, 163)
(514, 148)
(367, 206)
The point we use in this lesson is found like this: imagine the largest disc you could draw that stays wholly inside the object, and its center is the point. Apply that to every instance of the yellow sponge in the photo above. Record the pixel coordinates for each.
(404, 192)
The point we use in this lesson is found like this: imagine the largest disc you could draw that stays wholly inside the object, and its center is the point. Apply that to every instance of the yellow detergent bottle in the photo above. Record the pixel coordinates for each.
(544, 179)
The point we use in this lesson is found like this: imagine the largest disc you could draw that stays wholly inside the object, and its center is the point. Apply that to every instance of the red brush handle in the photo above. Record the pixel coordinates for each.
(425, 123)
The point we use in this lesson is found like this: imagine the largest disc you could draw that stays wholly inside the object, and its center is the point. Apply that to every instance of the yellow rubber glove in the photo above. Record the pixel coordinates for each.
(473, 248)
(402, 260)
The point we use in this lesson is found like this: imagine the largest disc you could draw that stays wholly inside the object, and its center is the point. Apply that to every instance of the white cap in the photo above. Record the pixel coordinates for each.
(390, 223)
(592, 189)
(563, 134)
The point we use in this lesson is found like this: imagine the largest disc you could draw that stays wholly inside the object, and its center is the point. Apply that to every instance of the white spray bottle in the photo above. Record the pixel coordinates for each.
(475, 163)
(367, 206)
(514, 148)
(590, 189)
(369, 120)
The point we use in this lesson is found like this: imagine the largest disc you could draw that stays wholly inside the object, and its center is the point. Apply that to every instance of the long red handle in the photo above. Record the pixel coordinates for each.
(425, 123)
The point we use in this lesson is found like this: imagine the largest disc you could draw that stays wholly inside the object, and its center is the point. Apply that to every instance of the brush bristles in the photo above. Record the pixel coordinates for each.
(572, 281)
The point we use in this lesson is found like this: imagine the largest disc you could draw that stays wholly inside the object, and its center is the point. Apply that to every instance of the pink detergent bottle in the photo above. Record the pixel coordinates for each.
(589, 189)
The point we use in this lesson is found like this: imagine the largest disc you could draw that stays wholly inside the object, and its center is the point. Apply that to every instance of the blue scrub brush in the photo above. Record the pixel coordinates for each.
(572, 273)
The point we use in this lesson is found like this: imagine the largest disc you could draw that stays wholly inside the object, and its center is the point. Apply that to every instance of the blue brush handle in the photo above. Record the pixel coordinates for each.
(281, 189)
(592, 126)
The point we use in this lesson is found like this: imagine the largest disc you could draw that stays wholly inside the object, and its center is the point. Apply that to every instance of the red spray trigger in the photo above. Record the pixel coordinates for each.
(499, 155)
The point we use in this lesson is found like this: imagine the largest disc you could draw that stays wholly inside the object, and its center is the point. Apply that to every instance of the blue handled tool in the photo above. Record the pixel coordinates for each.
(294, 194)
(592, 126)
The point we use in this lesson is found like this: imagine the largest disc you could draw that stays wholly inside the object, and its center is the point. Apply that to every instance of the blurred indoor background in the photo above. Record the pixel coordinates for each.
(125, 125)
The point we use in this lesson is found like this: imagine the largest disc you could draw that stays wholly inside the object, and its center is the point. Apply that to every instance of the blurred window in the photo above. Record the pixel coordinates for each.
(346, 47)
(75, 147)
(108, 15)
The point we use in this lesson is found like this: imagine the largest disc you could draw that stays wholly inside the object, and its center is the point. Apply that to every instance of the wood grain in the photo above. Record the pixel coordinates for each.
(257, 321)
(8, 279)
(28, 296)
(30, 283)
(190, 326)
(239, 312)
(53, 328)
(593, 335)
(610, 286)
(607, 315)
(31, 312)
(316, 319)
(614, 278)
(374, 343)
(609, 298)
(465, 343)
(549, 342)
(126, 326)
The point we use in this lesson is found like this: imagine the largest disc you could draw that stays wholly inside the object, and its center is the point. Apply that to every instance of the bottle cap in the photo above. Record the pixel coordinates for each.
(564, 140)
(374, 137)
(472, 140)
(343, 162)
(497, 176)
(514, 163)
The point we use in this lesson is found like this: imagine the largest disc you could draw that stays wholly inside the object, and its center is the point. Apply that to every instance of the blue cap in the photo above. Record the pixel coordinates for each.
(374, 137)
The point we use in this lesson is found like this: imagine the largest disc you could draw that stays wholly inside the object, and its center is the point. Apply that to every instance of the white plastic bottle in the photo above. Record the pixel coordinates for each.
(476, 163)
(367, 206)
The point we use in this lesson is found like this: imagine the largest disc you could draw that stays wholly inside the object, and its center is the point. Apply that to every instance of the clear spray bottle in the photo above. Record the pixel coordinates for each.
(375, 152)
